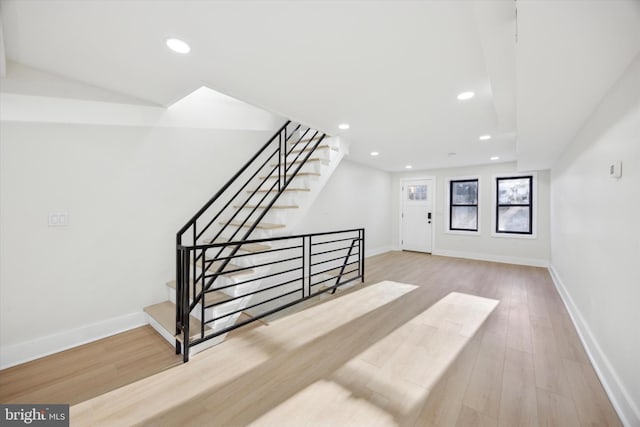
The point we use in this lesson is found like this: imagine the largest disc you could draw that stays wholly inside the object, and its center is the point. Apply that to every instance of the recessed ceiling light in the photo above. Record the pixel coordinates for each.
(178, 46)
(374, 153)
(495, 158)
(343, 126)
(485, 137)
(465, 95)
(451, 154)
(408, 167)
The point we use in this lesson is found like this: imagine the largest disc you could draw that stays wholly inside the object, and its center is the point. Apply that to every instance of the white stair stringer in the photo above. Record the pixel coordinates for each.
(287, 211)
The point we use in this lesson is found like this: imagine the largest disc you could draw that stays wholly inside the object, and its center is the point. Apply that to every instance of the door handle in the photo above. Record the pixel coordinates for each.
(429, 217)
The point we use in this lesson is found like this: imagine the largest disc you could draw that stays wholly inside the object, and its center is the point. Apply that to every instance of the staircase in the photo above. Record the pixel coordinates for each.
(237, 259)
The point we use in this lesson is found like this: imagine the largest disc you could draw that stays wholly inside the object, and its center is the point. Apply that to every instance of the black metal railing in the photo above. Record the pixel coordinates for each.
(229, 218)
(301, 267)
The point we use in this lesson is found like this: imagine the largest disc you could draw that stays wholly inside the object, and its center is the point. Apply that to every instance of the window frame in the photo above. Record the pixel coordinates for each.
(453, 181)
(532, 201)
(446, 197)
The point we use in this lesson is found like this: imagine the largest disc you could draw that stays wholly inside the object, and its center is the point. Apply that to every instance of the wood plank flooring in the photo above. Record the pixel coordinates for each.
(524, 365)
(90, 370)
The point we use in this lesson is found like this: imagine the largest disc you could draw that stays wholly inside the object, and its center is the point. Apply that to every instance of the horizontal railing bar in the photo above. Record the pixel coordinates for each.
(258, 253)
(334, 286)
(252, 306)
(329, 251)
(265, 239)
(334, 277)
(222, 273)
(252, 280)
(333, 268)
(334, 259)
(337, 240)
(252, 293)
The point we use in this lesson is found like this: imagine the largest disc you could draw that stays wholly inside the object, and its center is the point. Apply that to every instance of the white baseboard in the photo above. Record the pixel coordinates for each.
(534, 262)
(625, 407)
(16, 354)
(377, 251)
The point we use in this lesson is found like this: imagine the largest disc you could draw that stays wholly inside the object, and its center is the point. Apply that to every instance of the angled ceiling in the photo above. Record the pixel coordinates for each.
(392, 70)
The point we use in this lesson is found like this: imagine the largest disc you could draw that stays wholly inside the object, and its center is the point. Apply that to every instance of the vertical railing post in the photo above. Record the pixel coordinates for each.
(362, 249)
(185, 308)
(284, 157)
(306, 267)
(179, 286)
(202, 292)
(280, 161)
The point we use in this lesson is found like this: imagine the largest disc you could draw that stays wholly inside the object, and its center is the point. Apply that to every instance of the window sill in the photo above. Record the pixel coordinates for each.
(514, 236)
(463, 233)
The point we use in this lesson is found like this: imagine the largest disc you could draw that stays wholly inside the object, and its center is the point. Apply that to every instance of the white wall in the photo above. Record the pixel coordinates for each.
(355, 196)
(128, 189)
(483, 246)
(595, 245)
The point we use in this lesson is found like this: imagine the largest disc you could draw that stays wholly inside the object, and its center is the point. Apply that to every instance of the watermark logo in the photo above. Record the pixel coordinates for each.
(34, 415)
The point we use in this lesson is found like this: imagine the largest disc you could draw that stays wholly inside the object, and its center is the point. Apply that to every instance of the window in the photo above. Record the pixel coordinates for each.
(463, 205)
(417, 192)
(514, 205)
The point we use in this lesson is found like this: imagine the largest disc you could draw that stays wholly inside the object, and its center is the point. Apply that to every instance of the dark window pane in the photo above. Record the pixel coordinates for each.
(464, 193)
(514, 191)
(514, 219)
(464, 217)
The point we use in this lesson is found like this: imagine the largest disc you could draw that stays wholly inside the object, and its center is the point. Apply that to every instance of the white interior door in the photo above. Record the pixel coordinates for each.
(417, 215)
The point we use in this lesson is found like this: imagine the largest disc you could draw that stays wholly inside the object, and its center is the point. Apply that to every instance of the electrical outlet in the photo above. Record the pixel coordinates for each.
(58, 219)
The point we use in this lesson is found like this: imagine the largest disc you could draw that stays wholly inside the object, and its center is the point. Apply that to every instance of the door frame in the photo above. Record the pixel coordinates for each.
(433, 216)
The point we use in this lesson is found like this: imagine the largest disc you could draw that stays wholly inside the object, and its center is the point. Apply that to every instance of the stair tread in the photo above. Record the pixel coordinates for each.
(261, 226)
(247, 247)
(320, 147)
(165, 314)
(299, 174)
(216, 264)
(286, 189)
(294, 140)
(314, 160)
(272, 207)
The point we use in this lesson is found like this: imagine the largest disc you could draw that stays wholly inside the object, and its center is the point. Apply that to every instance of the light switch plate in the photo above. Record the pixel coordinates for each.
(615, 169)
(58, 219)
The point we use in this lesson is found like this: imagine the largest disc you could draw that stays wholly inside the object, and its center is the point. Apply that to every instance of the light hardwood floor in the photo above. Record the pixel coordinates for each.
(374, 357)
(90, 370)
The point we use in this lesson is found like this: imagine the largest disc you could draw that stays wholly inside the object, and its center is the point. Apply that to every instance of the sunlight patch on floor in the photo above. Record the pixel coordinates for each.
(391, 379)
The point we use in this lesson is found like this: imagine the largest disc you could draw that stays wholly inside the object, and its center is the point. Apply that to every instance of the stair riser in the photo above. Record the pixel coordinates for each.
(256, 234)
(211, 313)
(323, 153)
(247, 259)
(299, 181)
(286, 198)
(273, 216)
(315, 167)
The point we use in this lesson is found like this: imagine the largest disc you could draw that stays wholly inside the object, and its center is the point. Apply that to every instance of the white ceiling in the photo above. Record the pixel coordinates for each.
(391, 69)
